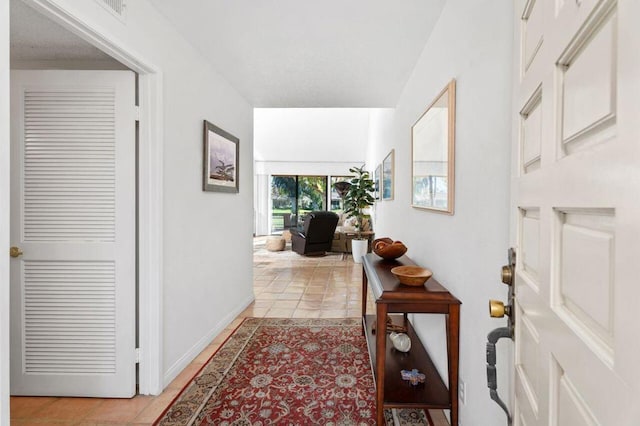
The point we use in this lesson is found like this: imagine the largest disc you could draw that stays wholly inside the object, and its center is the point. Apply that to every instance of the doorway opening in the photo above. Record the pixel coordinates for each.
(108, 53)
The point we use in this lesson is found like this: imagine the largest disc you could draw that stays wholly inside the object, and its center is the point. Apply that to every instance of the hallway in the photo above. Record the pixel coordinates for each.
(285, 285)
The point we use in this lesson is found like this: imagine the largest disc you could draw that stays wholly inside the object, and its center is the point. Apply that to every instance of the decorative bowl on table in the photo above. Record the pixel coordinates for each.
(411, 274)
(388, 249)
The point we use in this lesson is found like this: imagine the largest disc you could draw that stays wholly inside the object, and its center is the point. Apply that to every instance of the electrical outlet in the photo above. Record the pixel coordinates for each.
(462, 391)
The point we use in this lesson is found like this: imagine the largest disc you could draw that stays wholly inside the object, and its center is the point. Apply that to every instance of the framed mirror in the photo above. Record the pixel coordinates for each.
(433, 153)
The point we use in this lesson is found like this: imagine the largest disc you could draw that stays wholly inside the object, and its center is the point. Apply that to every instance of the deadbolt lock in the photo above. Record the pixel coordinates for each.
(497, 309)
(15, 252)
(507, 274)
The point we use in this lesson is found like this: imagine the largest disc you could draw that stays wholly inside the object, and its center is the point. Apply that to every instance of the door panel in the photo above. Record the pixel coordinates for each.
(532, 31)
(73, 216)
(571, 408)
(587, 83)
(585, 256)
(531, 127)
(576, 177)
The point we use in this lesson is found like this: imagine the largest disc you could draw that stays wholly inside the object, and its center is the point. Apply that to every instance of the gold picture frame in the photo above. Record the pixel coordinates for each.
(433, 154)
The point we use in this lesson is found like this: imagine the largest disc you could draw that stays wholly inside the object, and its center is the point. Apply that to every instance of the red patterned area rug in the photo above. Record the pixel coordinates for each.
(274, 371)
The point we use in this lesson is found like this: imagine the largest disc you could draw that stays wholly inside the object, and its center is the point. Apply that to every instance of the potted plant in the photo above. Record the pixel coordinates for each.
(357, 199)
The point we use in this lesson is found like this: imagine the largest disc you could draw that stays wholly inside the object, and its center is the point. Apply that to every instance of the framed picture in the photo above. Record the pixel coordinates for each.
(387, 177)
(221, 160)
(432, 154)
(376, 181)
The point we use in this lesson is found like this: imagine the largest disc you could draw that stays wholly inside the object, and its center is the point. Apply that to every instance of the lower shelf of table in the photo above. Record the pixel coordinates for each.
(400, 393)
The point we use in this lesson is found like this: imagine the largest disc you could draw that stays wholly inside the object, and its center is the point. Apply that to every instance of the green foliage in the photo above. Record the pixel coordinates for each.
(310, 196)
(359, 196)
(312, 190)
(283, 186)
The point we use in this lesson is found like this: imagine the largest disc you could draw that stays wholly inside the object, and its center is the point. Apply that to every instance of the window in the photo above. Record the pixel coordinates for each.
(294, 196)
(335, 200)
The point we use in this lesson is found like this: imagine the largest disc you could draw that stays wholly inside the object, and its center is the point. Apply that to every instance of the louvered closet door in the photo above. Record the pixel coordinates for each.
(73, 217)
(577, 201)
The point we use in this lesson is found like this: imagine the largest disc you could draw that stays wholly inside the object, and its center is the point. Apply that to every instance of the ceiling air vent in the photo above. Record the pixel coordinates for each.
(116, 7)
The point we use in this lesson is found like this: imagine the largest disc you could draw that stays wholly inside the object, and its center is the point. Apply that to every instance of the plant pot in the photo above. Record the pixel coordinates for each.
(359, 249)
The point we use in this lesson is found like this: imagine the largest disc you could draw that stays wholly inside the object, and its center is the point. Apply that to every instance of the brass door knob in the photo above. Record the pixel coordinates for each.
(15, 252)
(507, 274)
(497, 309)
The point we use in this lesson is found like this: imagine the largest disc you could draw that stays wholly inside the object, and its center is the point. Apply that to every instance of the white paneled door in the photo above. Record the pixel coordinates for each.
(73, 220)
(577, 196)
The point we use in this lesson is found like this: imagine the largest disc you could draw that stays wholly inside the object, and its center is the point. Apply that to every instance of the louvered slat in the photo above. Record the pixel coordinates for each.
(69, 314)
(69, 165)
(117, 6)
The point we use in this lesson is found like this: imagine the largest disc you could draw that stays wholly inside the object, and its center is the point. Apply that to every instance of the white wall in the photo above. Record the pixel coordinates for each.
(305, 141)
(204, 233)
(4, 212)
(310, 134)
(472, 42)
(311, 168)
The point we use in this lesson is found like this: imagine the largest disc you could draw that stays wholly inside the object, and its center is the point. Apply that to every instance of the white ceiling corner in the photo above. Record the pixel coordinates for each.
(299, 53)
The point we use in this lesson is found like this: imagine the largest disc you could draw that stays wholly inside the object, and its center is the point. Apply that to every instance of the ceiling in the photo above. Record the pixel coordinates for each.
(276, 53)
(36, 38)
(303, 53)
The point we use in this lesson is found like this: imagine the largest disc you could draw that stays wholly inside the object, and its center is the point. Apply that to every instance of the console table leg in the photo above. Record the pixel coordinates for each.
(429, 419)
(453, 350)
(381, 351)
(363, 303)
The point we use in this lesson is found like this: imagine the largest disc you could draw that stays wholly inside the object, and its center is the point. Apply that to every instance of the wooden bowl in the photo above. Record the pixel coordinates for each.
(388, 249)
(411, 275)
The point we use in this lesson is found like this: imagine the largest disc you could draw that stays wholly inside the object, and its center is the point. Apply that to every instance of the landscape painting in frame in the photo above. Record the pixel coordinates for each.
(387, 176)
(376, 181)
(221, 154)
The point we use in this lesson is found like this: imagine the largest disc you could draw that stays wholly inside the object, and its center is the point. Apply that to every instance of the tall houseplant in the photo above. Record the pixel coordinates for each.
(359, 197)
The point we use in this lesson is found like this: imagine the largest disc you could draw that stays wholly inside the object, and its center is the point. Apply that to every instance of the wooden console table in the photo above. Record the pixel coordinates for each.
(393, 297)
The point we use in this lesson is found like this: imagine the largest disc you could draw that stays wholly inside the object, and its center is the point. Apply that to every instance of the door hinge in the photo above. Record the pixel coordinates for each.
(137, 355)
(137, 112)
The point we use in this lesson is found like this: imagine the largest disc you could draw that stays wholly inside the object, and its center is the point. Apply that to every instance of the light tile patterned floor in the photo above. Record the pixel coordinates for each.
(285, 285)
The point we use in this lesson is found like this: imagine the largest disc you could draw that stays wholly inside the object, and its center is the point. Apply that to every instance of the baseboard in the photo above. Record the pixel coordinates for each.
(195, 350)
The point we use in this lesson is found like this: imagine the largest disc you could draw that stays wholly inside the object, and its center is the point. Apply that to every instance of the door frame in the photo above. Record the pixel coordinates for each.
(150, 190)
(4, 212)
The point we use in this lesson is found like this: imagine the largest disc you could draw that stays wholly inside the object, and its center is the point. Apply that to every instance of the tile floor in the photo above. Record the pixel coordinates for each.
(285, 285)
